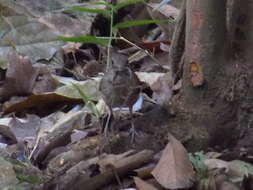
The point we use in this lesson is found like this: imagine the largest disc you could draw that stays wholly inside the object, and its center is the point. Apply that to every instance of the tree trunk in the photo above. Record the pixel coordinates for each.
(215, 102)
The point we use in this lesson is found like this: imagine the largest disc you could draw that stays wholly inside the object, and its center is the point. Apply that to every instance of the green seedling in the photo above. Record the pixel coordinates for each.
(197, 162)
(108, 12)
(88, 102)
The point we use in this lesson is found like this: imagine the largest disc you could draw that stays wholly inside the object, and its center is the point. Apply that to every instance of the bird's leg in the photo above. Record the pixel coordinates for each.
(108, 121)
(132, 131)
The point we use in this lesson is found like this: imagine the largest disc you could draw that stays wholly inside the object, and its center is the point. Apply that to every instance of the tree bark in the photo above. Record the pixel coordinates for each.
(215, 101)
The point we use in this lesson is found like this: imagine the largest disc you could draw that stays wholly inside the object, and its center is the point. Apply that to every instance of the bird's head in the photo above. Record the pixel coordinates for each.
(119, 61)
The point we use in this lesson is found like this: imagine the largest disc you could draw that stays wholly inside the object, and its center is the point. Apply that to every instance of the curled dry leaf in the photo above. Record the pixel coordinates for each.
(20, 76)
(174, 170)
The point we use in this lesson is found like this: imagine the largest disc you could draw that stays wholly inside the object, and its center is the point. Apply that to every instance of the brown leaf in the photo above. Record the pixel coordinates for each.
(174, 170)
(154, 46)
(20, 76)
(41, 102)
(162, 91)
(27, 130)
(142, 185)
(7, 133)
(19, 130)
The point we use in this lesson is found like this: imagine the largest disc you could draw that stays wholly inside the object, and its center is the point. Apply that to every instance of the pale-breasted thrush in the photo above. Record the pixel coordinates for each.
(120, 87)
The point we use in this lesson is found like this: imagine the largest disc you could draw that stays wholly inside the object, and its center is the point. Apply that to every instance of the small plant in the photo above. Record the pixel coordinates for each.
(108, 12)
(197, 162)
(26, 178)
(88, 103)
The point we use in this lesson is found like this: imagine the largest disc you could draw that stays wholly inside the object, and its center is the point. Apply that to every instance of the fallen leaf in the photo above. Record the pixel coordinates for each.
(162, 91)
(238, 170)
(57, 135)
(41, 102)
(212, 164)
(25, 131)
(32, 27)
(154, 46)
(20, 76)
(174, 170)
(162, 13)
(166, 10)
(142, 185)
(149, 78)
(6, 132)
(90, 87)
(18, 130)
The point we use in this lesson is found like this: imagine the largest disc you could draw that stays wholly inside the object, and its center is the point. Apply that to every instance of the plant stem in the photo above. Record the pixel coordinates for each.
(108, 63)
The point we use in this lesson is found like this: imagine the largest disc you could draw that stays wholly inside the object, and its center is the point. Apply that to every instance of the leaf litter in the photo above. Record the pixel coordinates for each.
(52, 113)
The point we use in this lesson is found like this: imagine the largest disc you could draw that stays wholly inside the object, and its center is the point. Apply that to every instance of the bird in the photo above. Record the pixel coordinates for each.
(120, 87)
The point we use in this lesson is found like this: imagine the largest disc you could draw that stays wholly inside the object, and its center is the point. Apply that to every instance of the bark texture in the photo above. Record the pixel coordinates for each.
(215, 102)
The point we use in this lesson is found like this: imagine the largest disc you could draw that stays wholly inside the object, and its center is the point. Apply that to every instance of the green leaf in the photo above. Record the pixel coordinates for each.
(128, 24)
(127, 2)
(104, 12)
(29, 179)
(89, 104)
(86, 39)
(81, 92)
(198, 164)
(93, 109)
(18, 187)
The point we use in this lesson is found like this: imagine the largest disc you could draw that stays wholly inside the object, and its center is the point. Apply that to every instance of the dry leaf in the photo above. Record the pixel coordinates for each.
(155, 46)
(41, 102)
(162, 91)
(6, 132)
(174, 170)
(212, 164)
(167, 10)
(162, 13)
(20, 76)
(25, 131)
(142, 185)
